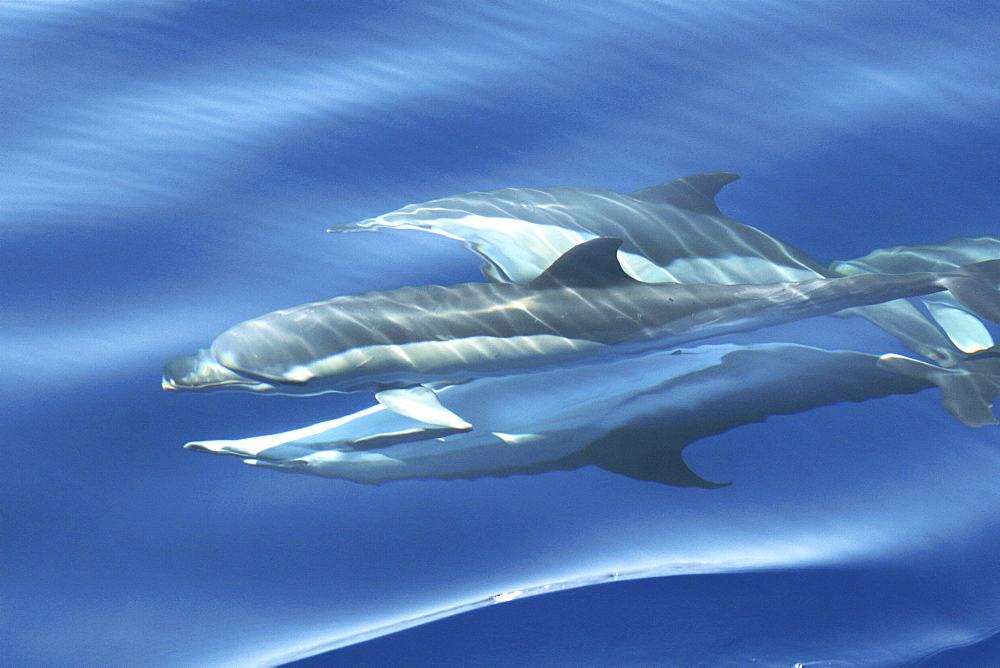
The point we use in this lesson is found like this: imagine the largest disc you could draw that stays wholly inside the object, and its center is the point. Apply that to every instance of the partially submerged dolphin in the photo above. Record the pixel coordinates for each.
(671, 232)
(401, 342)
(629, 415)
(965, 330)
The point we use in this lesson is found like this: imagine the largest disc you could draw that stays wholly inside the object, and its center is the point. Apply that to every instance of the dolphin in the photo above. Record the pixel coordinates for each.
(965, 330)
(402, 343)
(671, 232)
(631, 416)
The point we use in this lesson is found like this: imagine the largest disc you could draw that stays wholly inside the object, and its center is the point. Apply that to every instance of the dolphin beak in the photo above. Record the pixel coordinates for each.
(203, 372)
(179, 371)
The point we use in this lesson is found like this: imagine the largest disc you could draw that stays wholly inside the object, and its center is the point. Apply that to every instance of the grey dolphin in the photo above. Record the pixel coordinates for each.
(396, 343)
(631, 416)
(671, 232)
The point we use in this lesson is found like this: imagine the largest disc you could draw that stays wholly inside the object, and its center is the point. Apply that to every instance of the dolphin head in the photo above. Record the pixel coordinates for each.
(203, 372)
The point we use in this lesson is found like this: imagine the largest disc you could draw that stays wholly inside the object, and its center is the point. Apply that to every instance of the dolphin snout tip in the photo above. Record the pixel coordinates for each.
(177, 369)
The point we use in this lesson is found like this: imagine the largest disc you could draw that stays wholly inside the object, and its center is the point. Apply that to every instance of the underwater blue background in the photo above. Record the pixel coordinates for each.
(169, 169)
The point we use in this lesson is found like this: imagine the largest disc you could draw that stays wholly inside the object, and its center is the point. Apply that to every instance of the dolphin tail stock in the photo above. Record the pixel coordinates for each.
(975, 286)
(969, 389)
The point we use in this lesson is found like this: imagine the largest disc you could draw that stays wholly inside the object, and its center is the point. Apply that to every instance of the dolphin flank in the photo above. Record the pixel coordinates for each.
(397, 342)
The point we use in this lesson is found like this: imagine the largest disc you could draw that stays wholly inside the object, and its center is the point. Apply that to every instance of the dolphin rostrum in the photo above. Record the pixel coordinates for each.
(631, 415)
(398, 342)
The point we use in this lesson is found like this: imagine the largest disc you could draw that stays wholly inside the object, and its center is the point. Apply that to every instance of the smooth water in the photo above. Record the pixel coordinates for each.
(169, 169)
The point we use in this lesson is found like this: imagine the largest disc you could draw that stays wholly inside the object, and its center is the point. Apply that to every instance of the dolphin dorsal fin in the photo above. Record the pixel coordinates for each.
(695, 193)
(592, 264)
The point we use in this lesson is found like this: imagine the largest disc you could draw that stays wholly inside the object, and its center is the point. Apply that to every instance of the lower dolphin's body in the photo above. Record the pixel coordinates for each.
(584, 303)
(631, 416)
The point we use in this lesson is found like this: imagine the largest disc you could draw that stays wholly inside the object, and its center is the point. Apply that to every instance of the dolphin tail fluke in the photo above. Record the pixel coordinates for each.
(642, 454)
(975, 288)
(968, 394)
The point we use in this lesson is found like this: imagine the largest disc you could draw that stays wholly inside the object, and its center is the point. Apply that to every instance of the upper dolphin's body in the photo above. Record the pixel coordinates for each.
(630, 415)
(671, 232)
(585, 302)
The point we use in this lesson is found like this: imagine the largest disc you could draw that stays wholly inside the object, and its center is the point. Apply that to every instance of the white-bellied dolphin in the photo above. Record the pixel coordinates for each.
(671, 232)
(397, 342)
(631, 415)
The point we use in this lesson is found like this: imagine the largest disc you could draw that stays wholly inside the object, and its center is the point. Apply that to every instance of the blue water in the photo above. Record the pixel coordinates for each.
(168, 170)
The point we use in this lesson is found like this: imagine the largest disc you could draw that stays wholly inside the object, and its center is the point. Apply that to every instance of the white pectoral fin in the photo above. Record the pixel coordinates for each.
(420, 403)
(965, 330)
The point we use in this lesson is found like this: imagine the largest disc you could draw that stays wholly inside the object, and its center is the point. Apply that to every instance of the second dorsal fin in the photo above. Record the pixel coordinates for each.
(592, 264)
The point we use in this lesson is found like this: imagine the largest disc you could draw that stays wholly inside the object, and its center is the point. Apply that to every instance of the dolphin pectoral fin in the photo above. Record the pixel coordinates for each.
(642, 454)
(965, 330)
(420, 403)
(968, 395)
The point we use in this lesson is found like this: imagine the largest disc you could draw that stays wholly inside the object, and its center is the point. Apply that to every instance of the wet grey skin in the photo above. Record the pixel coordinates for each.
(583, 304)
(671, 232)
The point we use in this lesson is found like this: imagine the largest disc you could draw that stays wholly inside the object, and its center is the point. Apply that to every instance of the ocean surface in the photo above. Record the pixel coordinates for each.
(170, 168)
